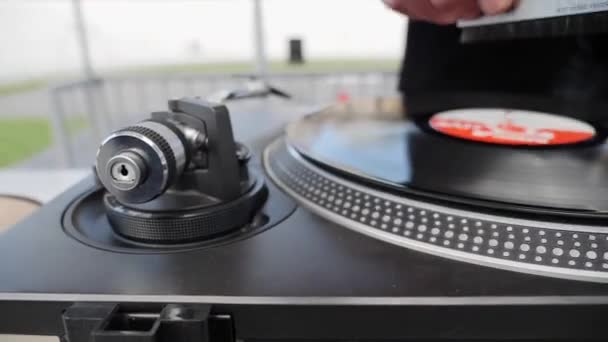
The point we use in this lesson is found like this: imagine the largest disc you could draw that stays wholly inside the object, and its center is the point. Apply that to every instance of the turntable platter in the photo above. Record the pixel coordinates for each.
(372, 142)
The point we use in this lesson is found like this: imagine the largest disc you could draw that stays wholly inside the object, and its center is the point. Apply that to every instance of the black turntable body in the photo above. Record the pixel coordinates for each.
(344, 224)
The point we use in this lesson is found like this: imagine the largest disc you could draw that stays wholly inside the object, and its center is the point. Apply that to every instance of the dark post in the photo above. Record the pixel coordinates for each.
(296, 53)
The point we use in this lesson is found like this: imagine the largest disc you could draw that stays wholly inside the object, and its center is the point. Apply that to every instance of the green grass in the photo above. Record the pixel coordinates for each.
(319, 65)
(21, 86)
(22, 138)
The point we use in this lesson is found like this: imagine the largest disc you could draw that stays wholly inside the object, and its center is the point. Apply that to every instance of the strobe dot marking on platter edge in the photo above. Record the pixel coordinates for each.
(528, 246)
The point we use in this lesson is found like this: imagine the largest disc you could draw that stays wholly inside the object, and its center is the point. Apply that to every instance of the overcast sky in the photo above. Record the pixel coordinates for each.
(37, 36)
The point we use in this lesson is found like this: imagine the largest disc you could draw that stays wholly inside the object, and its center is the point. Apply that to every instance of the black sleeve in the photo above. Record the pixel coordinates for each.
(435, 60)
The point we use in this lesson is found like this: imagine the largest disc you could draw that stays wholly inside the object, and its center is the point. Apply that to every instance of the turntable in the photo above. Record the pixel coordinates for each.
(357, 221)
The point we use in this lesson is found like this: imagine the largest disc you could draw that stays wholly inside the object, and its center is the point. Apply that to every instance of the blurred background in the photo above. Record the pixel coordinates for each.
(73, 70)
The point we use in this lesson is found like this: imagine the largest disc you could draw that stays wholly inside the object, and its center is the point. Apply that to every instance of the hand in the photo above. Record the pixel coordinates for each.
(446, 12)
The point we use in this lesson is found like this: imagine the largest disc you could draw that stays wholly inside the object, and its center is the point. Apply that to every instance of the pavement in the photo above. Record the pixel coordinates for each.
(39, 185)
(34, 103)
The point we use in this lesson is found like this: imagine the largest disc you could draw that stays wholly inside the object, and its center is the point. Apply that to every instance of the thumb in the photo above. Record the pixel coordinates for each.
(492, 7)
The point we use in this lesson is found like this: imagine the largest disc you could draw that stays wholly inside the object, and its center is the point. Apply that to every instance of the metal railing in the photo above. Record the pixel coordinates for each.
(85, 111)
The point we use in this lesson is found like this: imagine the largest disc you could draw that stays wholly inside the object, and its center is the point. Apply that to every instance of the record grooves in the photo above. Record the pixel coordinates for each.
(566, 179)
(467, 203)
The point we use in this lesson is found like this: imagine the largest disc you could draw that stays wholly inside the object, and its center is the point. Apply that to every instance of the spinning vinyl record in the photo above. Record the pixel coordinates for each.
(498, 157)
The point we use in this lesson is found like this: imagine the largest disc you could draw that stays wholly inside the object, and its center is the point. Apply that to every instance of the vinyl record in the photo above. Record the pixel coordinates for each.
(533, 161)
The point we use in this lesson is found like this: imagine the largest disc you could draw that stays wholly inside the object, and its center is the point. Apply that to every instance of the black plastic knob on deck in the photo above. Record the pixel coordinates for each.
(179, 177)
(186, 226)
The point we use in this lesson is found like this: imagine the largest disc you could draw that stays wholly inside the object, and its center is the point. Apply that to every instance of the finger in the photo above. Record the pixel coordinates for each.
(425, 10)
(455, 5)
(436, 11)
(415, 9)
(421, 10)
(493, 7)
(453, 10)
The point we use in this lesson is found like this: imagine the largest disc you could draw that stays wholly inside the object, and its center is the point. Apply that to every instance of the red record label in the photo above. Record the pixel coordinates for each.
(511, 127)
